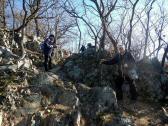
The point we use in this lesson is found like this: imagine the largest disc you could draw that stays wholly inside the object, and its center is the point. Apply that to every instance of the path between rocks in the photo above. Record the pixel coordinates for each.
(52, 99)
(142, 113)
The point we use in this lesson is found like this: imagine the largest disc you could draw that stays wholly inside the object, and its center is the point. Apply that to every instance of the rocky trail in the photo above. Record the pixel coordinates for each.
(77, 92)
(70, 62)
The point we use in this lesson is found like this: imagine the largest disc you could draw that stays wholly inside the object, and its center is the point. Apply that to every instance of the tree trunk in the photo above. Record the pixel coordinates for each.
(80, 35)
(37, 27)
(13, 15)
(164, 56)
(23, 30)
(56, 56)
(147, 28)
(102, 40)
(131, 20)
(160, 38)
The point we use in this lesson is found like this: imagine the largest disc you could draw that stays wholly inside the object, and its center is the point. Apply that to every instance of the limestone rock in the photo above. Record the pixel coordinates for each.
(25, 63)
(149, 83)
(68, 98)
(43, 79)
(11, 68)
(103, 99)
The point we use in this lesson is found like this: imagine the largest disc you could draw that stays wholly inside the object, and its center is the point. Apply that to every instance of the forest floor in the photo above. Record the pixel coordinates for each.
(144, 113)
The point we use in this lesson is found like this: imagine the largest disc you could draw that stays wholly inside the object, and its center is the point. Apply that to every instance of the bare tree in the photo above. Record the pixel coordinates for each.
(165, 56)
(103, 9)
(160, 28)
(70, 9)
(80, 34)
(33, 5)
(11, 3)
(104, 13)
(28, 17)
(147, 27)
(130, 24)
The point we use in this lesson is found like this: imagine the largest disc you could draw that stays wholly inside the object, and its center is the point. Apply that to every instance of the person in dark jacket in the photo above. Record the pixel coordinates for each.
(48, 51)
(82, 49)
(124, 60)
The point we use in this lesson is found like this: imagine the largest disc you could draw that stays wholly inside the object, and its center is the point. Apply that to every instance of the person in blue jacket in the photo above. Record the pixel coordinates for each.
(123, 59)
(48, 51)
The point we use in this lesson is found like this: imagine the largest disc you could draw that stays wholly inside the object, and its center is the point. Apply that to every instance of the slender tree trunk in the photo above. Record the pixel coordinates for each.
(159, 44)
(164, 56)
(23, 30)
(112, 40)
(131, 21)
(160, 38)
(56, 37)
(80, 35)
(13, 15)
(22, 44)
(102, 40)
(96, 43)
(147, 34)
(147, 29)
(37, 27)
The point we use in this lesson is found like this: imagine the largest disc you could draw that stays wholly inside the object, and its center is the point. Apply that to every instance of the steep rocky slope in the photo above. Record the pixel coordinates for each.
(79, 92)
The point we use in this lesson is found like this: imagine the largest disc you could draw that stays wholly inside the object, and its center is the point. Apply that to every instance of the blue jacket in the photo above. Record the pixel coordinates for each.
(48, 47)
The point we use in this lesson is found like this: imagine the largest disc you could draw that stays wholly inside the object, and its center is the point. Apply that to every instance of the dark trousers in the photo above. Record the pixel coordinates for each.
(47, 62)
(119, 82)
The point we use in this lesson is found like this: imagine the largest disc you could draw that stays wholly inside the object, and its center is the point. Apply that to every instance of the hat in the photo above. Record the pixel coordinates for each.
(51, 35)
(120, 46)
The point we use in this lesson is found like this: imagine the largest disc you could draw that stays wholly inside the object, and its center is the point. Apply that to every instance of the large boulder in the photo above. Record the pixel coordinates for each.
(164, 86)
(68, 98)
(55, 90)
(73, 71)
(8, 68)
(149, 84)
(104, 98)
(43, 79)
(119, 121)
(32, 102)
(99, 100)
(6, 55)
(85, 68)
(25, 63)
(76, 73)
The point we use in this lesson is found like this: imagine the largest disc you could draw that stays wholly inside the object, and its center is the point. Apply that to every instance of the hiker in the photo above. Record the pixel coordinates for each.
(48, 51)
(82, 49)
(123, 59)
(90, 46)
